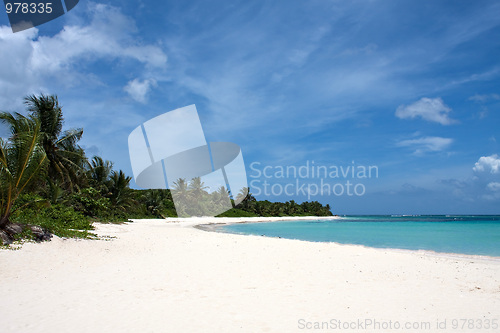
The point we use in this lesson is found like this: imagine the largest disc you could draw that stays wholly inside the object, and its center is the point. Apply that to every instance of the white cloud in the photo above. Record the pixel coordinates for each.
(30, 60)
(109, 34)
(483, 185)
(138, 90)
(484, 98)
(430, 109)
(488, 164)
(494, 186)
(16, 77)
(426, 144)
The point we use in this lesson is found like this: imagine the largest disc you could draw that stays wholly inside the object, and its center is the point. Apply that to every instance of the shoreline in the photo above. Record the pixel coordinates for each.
(214, 227)
(167, 275)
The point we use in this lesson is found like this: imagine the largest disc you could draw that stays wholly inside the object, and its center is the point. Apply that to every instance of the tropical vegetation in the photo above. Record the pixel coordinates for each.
(48, 185)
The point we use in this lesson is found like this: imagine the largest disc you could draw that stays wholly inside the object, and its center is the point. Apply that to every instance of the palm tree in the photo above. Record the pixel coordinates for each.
(181, 196)
(66, 157)
(154, 200)
(120, 193)
(246, 200)
(242, 194)
(219, 201)
(222, 194)
(22, 158)
(180, 189)
(197, 188)
(100, 173)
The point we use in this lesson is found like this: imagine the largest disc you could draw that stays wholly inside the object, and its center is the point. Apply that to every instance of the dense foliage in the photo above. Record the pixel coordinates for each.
(48, 184)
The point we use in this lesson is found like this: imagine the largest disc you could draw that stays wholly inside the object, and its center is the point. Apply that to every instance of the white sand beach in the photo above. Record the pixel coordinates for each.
(166, 276)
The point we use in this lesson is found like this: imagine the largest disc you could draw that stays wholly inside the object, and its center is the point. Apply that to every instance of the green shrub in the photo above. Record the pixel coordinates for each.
(58, 219)
(90, 202)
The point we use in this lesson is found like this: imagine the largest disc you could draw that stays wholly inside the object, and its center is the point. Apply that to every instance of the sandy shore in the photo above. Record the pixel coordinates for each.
(166, 276)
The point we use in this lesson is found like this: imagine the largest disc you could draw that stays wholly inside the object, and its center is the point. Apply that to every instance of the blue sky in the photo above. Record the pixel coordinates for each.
(411, 87)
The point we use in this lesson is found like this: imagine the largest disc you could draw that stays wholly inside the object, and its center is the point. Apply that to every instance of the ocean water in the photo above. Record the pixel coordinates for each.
(476, 235)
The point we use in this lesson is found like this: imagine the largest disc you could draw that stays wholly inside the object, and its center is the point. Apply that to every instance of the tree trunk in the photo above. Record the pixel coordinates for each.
(4, 237)
(8, 230)
(4, 220)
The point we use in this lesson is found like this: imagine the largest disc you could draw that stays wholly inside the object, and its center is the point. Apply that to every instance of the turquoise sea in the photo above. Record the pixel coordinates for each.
(476, 235)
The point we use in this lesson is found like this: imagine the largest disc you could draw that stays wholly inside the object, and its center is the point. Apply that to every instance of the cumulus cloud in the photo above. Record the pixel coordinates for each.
(29, 59)
(483, 185)
(430, 109)
(138, 90)
(488, 164)
(426, 144)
